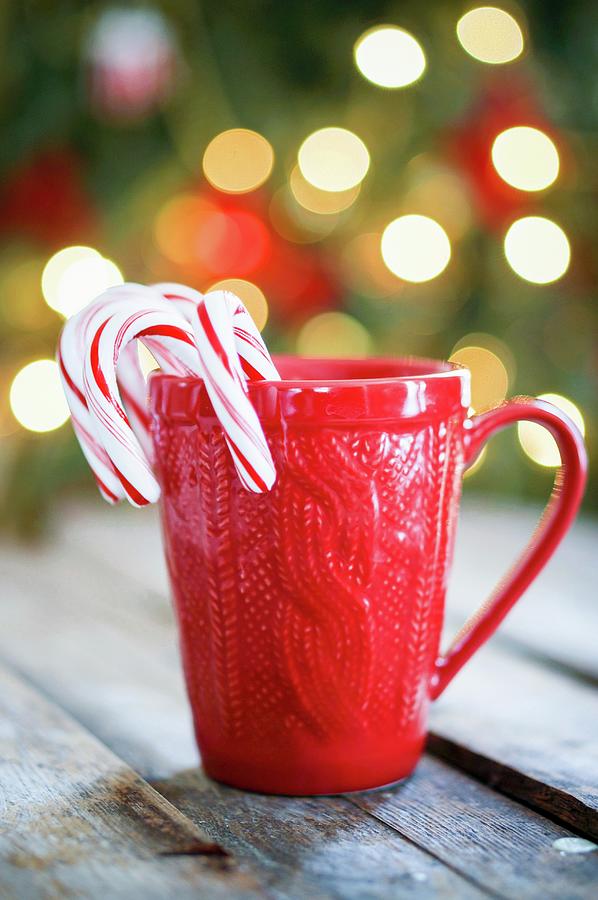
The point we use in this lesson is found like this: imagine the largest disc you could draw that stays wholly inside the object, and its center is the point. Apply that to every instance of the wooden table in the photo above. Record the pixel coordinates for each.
(100, 790)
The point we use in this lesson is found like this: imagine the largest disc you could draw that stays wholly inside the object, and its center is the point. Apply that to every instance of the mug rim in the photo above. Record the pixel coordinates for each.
(422, 389)
(444, 369)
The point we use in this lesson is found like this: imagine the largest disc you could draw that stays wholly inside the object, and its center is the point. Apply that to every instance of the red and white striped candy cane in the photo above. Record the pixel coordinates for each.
(231, 349)
(174, 346)
(255, 358)
(70, 356)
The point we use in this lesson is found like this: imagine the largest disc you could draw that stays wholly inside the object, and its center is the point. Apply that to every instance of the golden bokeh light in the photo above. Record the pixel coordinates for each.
(537, 442)
(364, 268)
(415, 248)
(36, 397)
(250, 294)
(389, 56)
(476, 464)
(324, 203)
(489, 376)
(333, 334)
(490, 35)
(297, 224)
(525, 158)
(176, 226)
(537, 249)
(76, 275)
(441, 193)
(238, 161)
(333, 159)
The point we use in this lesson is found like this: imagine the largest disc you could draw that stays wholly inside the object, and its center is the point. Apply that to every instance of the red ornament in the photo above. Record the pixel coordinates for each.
(499, 106)
(133, 61)
(46, 200)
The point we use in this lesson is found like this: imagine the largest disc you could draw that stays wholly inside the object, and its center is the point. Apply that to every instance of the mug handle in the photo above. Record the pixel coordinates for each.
(555, 522)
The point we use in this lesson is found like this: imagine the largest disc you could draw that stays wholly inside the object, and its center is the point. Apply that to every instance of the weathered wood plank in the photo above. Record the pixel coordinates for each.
(127, 694)
(317, 845)
(505, 845)
(77, 821)
(526, 730)
(277, 832)
(504, 714)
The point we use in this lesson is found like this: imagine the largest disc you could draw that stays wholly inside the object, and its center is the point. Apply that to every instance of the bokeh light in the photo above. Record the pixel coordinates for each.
(416, 248)
(364, 269)
(36, 397)
(324, 203)
(294, 222)
(76, 275)
(250, 294)
(238, 161)
(389, 56)
(333, 334)
(490, 35)
(537, 442)
(333, 159)
(440, 192)
(176, 226)
(489, 376)
(525, 158)
(537, 249)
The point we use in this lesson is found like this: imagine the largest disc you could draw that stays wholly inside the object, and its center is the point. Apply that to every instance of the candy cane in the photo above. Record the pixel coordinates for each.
(108, 334)
(222, 326)
(249, 344)
(114, 451)
(70, 355)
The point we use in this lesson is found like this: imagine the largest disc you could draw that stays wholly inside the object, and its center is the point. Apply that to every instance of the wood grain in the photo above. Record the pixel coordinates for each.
(128, 695)
(524, 727)
(506, 845)
(299, 843)
(76, 821)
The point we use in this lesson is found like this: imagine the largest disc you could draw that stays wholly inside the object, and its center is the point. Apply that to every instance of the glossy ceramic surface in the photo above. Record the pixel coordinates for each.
(310, 616)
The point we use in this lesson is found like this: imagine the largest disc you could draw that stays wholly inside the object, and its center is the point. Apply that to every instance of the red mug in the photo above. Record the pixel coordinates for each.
(310, 616)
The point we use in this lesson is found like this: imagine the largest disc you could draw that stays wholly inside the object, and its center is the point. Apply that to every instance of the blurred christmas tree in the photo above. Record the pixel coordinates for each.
(425, 188)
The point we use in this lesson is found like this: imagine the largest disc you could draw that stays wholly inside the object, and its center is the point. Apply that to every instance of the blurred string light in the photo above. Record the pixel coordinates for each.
(295, 223)
(438, 191)
(191, 231)
(333, 334)
(416, 248)
(537, 249)
(333, 159)
(477, 463)
(36, 397)
(490, 35)
(364, 269)
(238, 161)
(389, 56)
(525, 158)
(75, 276)
(489, 376)
(176, 226)
(315, 200)
(251, 295)
(537, 442)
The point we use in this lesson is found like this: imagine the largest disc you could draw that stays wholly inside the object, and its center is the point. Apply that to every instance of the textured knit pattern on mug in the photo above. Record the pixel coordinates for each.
(287, 580)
